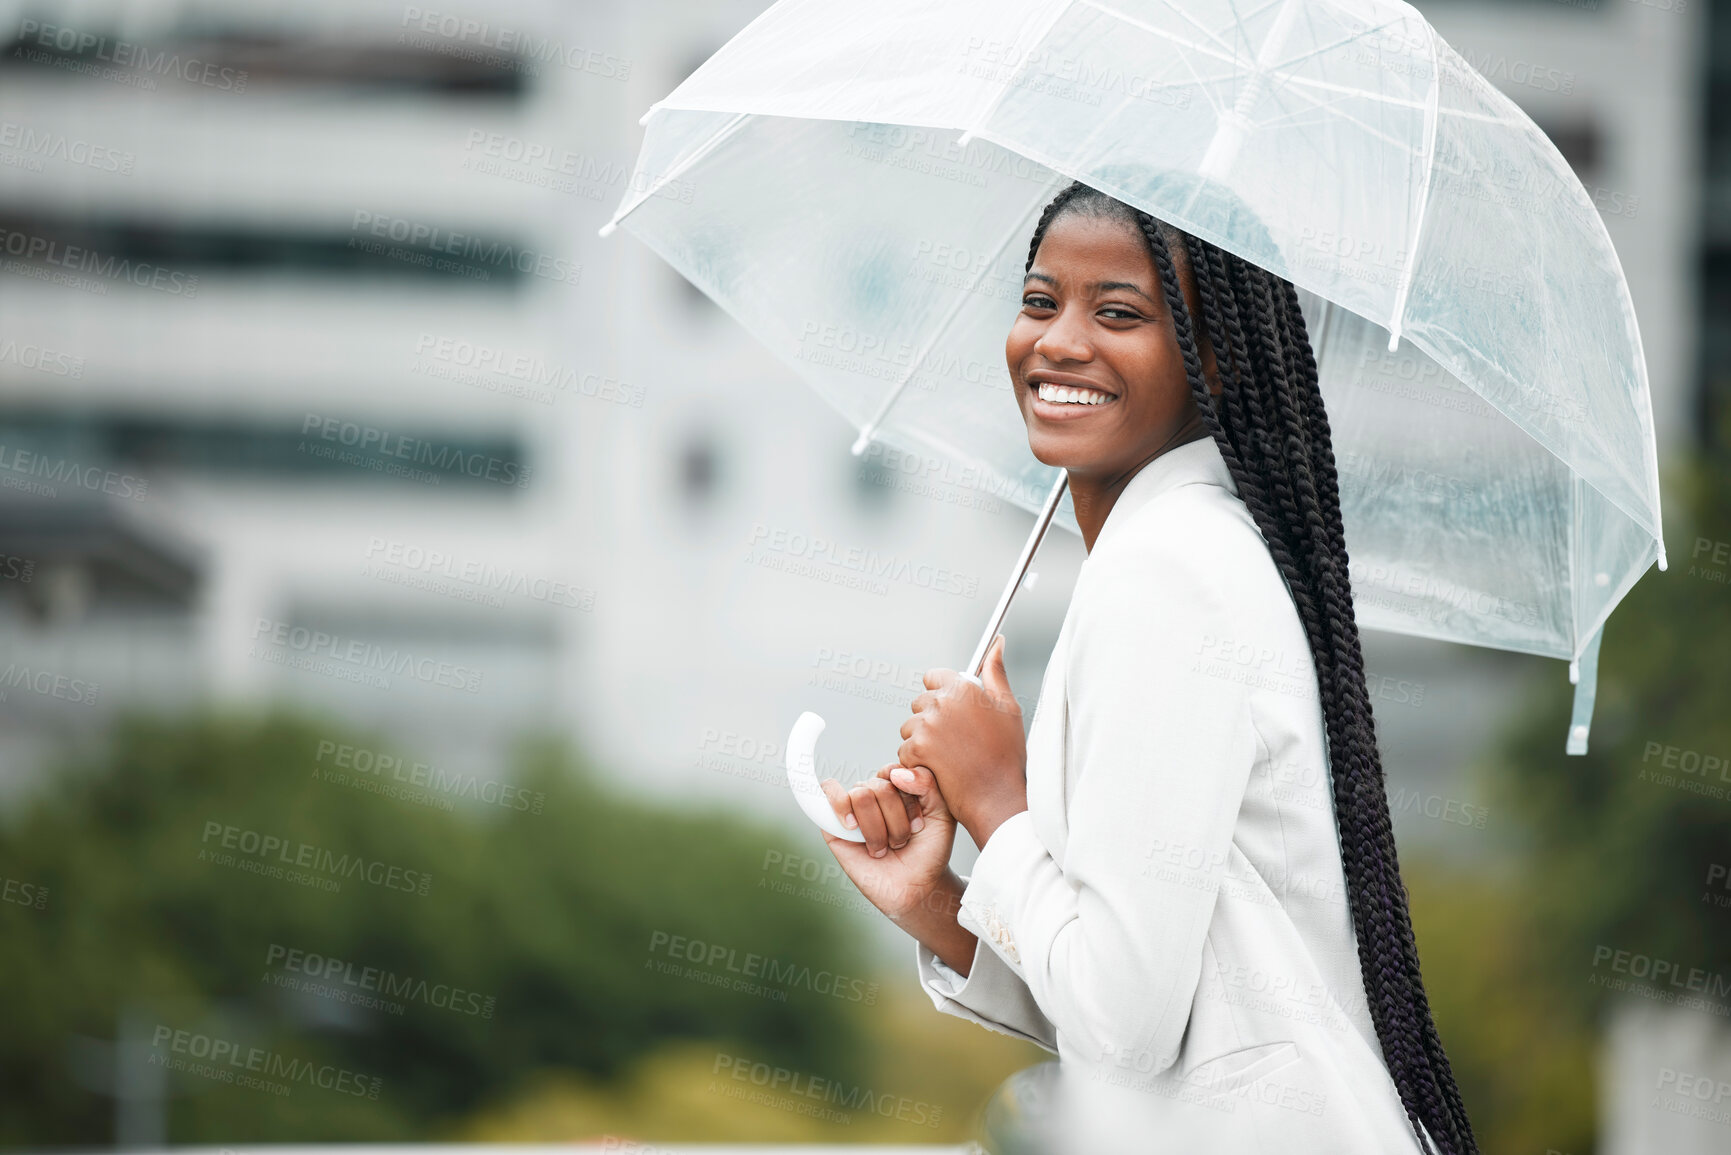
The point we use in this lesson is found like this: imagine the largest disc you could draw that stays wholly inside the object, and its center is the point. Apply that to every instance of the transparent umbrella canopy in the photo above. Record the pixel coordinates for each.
(857, 185)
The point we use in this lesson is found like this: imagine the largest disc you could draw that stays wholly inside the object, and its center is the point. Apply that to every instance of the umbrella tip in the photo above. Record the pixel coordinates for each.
(644, 119)
(1394, 341)
(606, 229)
(1661, 557)
(962, 140)
(864, 439)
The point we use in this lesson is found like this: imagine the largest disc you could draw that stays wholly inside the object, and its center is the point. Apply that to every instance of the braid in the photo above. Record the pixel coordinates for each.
(1272, 432)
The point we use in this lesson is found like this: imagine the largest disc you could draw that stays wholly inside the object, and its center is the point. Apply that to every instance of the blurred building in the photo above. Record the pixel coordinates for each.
(314, 361)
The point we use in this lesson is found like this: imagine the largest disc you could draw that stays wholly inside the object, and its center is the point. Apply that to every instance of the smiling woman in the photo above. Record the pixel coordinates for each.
(1229, 967)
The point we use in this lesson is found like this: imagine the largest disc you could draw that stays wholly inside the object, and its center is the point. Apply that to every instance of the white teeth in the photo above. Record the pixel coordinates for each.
(1065, 395)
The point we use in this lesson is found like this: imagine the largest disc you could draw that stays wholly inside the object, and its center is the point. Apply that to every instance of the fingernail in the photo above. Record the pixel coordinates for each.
(849, 822)
(902, 776)
(880, 853)
(917, 825)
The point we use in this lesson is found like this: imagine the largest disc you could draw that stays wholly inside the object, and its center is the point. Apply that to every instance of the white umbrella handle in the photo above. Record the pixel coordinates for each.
(802, 741)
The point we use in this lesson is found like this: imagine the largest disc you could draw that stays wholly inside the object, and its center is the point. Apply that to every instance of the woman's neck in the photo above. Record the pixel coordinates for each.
(1094, 494)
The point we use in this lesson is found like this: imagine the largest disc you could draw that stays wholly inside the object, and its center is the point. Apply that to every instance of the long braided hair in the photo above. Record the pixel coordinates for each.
(1271, 429)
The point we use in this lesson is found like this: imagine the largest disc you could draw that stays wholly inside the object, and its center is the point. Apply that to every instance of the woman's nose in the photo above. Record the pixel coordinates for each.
(1065, 338)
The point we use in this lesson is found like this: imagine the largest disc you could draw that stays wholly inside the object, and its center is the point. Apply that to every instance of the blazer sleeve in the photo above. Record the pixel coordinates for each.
(1161, 746)
(992, 995)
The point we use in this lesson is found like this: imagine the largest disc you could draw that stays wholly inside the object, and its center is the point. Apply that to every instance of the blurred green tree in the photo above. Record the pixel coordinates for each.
(546, 918)
(1624, 840)
(1613, 850)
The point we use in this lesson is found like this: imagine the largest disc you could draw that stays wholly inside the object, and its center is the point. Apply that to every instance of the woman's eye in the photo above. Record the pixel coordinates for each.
(1037, 301)
(1118, 313)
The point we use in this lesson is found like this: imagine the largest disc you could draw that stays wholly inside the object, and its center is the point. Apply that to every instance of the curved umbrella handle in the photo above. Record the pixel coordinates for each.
(802, 741)
(802, 777)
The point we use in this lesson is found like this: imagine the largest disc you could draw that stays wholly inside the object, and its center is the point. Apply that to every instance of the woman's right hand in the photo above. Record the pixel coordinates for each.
(904, 862)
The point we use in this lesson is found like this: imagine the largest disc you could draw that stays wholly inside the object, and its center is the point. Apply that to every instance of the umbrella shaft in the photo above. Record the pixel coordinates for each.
(1021, 568)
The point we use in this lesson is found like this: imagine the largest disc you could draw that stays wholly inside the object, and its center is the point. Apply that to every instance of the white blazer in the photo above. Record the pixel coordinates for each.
(1169, 915)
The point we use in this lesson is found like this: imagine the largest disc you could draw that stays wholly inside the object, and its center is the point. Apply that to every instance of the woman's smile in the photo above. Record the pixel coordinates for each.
(1063, 397)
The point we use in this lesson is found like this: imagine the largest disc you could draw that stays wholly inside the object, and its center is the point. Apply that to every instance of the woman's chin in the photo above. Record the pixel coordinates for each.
(1060, 450)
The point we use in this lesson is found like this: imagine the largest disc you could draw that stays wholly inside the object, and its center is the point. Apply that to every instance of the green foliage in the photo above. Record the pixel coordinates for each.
(1524, 1064)
(1624, 838)
(552, 914)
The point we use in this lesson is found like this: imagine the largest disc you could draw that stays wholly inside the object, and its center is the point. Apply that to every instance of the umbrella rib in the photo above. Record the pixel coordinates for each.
(1027, 62)
(1198, 25)
(1404, 287)
(1303, 56)
(1133, 22)
(1305, 81)
(1333, 109)
(678, 170)
(877, 419)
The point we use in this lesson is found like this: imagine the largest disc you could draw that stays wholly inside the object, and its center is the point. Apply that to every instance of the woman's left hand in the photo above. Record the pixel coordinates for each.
(971, 740)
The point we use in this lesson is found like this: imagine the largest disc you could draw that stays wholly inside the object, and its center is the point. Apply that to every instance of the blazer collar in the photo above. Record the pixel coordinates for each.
(1194, 462)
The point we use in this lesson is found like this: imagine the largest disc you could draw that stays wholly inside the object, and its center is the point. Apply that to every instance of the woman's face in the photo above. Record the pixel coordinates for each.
(1094, 326)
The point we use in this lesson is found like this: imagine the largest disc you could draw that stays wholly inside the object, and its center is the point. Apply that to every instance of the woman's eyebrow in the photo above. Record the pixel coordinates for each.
(1097, 286)
(1102, 286)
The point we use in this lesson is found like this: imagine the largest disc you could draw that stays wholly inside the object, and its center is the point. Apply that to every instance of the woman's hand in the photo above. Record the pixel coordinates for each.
(905, 859)
(971, 739)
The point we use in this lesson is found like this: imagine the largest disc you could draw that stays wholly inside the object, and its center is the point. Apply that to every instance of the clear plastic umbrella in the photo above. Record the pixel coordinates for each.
(865, 179)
